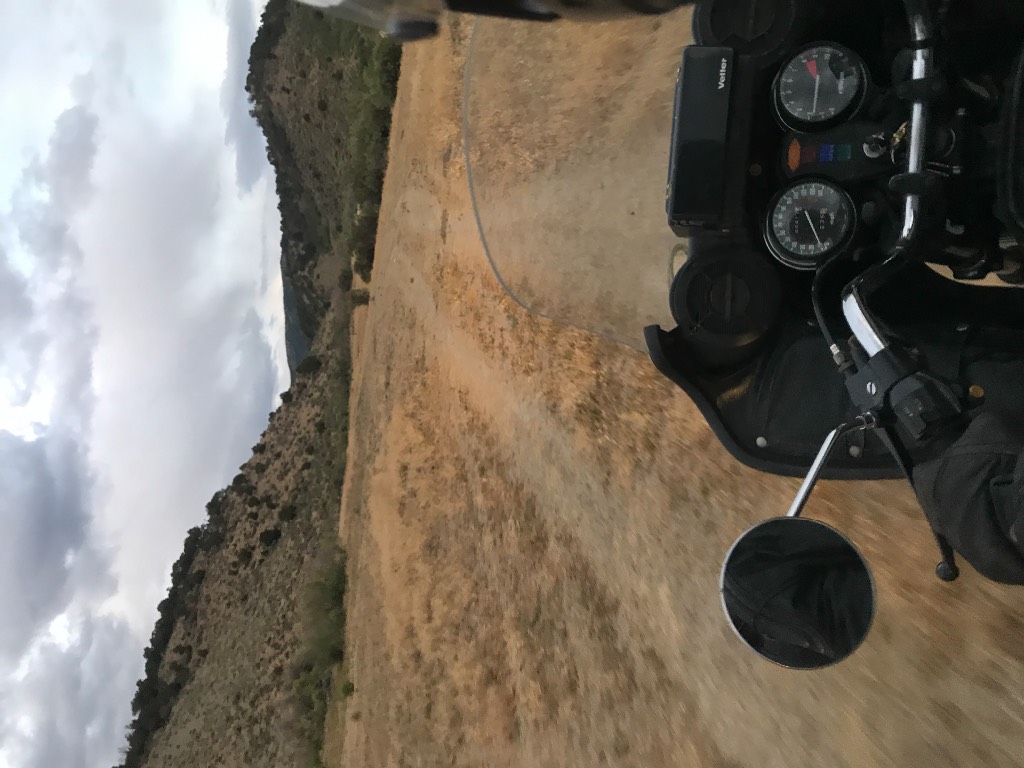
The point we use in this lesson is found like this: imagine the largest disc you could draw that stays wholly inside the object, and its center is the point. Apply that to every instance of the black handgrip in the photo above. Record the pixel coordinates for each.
(925, 406)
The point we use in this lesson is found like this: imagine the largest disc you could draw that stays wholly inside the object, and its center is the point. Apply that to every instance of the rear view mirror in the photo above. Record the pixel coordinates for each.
(798, 593)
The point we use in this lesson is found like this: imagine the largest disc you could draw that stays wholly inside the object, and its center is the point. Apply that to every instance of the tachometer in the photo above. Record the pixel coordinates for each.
(821, 85)
(808, 222)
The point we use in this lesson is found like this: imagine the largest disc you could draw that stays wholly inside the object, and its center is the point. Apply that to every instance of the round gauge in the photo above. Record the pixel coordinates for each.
(822, 84)
(808, 222)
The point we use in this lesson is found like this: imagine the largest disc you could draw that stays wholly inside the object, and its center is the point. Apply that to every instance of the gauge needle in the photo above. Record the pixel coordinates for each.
(812, 68)
(813, 230)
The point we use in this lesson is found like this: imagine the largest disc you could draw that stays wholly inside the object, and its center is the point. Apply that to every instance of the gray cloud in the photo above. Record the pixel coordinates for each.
(43, 521)
(20, 345)
(52, 192)
(45, 483)
(53, 188)
(46, 556)
(15, 304)
(68, 165)
(246, 385)
(69, 688)
(242, 131)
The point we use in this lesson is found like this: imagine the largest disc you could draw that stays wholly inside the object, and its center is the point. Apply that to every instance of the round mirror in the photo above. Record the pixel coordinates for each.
(798, 592)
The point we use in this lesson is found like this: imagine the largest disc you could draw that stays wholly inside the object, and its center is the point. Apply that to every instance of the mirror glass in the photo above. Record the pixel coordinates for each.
(798, 592)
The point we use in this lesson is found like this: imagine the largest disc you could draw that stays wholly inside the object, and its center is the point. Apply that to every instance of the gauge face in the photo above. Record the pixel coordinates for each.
(820, 84)
(808, 222)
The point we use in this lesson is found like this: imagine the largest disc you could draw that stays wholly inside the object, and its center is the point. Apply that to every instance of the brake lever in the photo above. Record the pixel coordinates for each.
(892, 384)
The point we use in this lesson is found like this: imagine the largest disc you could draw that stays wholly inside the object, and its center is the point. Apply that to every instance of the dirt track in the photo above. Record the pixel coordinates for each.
(535, 519)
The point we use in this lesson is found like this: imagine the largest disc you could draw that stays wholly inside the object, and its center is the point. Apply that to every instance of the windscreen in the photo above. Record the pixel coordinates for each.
(567, 133)
(369, 13)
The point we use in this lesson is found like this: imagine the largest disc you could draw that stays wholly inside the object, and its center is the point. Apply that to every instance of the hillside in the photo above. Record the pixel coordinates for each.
(322, 91)
(228, 654)
(241, 662)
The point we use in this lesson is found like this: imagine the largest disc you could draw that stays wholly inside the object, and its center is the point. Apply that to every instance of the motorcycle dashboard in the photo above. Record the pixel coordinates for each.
(783, 149)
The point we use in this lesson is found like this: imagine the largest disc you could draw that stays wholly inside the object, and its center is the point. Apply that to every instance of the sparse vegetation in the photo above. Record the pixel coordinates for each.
(325, 617)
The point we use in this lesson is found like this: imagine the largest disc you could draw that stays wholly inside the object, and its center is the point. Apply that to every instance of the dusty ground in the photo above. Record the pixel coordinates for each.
(535, 520)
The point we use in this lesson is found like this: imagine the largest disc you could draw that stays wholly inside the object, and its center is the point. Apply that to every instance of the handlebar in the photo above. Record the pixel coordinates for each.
(864, 329)
(919, 18)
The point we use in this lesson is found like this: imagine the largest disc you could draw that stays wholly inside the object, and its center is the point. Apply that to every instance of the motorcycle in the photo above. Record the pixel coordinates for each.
(844, 246)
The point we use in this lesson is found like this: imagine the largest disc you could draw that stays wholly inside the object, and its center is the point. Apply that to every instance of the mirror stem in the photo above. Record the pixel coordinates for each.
(864, 421)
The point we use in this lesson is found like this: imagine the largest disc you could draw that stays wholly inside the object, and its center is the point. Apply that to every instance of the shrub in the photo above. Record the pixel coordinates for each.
(325, 608)
(360, 297)
(270, 537)
(311, 364)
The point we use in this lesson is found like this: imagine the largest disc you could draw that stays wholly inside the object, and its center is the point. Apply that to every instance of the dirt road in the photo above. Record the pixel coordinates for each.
(535, 519)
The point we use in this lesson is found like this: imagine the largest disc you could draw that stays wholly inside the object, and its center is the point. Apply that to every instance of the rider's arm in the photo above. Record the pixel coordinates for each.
(974, 495)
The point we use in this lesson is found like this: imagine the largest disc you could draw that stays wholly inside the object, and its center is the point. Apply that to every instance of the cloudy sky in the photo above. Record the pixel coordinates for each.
(141, 338)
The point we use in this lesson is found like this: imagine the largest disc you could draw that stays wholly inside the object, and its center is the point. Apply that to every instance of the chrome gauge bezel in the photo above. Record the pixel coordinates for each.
(805, 262)
(795, 123)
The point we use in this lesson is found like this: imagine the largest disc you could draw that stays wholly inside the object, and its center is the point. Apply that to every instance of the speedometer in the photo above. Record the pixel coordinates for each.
(821, 85)
(808, 222)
